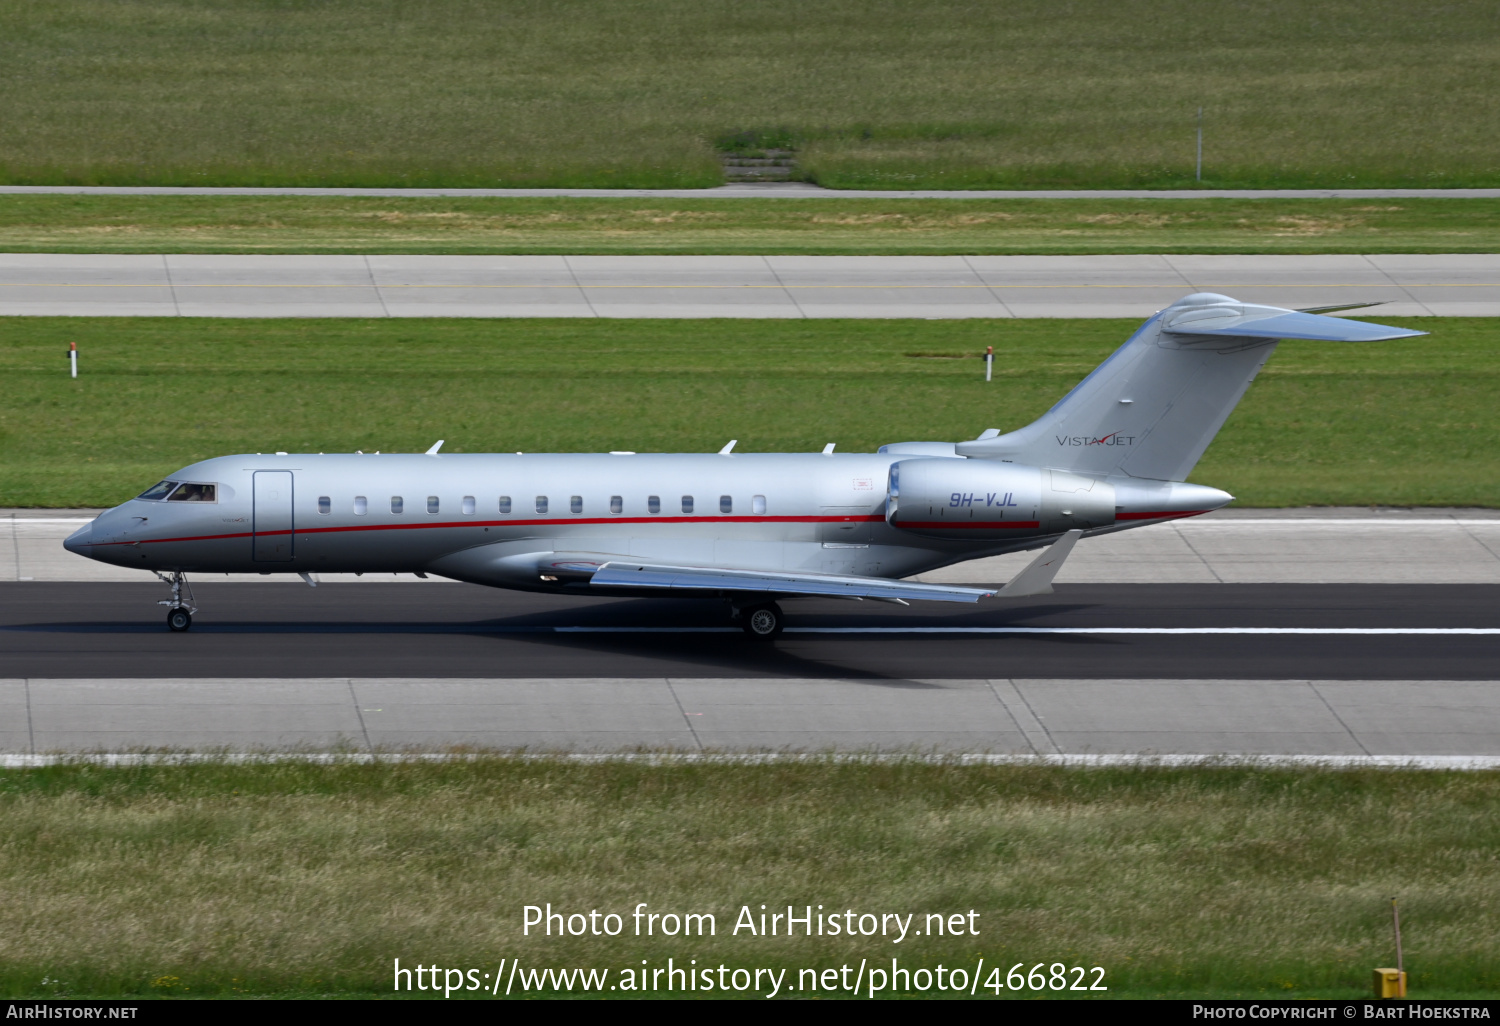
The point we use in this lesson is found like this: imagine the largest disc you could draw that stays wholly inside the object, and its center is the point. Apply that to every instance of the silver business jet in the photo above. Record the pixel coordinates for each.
(747, 529)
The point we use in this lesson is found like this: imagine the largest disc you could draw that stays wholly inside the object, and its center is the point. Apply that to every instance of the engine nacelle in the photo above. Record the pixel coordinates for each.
(985, 499)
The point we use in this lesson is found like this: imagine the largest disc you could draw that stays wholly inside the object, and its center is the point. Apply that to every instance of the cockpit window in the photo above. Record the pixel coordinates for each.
(158, 491)
(193, 493)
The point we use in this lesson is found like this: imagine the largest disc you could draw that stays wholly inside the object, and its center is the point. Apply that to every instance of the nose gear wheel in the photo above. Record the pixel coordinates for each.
(179, 612)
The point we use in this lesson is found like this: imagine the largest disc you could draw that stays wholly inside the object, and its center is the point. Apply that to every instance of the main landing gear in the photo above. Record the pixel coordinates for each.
(179, 613)
(762, 622)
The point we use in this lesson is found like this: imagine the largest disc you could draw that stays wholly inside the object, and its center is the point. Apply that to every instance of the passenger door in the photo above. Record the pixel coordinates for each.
(272, 517)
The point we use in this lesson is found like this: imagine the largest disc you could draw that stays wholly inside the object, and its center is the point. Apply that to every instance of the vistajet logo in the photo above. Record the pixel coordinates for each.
(1114, 438)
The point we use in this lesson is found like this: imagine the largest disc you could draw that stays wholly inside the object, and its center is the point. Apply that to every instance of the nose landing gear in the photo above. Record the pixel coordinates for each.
(179, 613)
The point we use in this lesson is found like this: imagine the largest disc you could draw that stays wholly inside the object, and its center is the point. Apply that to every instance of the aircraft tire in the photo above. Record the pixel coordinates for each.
(764, 622)
(179, 619)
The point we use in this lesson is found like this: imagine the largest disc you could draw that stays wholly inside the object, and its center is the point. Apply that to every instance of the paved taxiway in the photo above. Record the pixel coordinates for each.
(214, 285)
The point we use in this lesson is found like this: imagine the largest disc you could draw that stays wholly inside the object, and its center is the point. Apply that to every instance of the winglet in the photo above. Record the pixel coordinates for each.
(1036, 579)
(1207, 313)
(435, 447)
(1340, 306)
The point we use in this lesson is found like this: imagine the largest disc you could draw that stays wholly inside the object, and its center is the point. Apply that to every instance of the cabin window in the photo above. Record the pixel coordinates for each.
(726, 504)
(757, 504)
(160, 490)
(395, 504)
(541, 504)
(432, 503)
(575, 504)
(653, 504)
(193, 493)
(361, 505)
(325, 505)
(616, 504)
(505, 504)
(468, 505)
(687, 504)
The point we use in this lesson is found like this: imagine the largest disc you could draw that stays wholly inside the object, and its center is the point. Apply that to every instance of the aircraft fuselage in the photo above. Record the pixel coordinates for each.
(542, 521)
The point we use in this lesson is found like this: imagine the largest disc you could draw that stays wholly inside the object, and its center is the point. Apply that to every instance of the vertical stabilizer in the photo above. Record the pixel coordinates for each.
(1152, 408)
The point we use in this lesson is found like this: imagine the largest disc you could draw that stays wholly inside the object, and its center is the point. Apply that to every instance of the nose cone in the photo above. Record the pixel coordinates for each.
(81, 541)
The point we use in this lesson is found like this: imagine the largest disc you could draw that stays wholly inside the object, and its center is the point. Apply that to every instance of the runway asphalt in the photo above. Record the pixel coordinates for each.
(457, 630)
(1352, 633)
(1135, 286)
(90, 667)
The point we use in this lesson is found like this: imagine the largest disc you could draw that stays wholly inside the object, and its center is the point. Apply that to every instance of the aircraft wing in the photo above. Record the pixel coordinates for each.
(1036, 579)
(778, 582)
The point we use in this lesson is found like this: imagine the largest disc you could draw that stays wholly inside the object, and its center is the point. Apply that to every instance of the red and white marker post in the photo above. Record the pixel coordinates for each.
(73, 357)
(989, 361)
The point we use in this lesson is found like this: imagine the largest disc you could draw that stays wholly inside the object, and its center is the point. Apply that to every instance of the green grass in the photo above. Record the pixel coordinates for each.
(292, 878)
(306, 224)
(873, 93)
(1404, 423)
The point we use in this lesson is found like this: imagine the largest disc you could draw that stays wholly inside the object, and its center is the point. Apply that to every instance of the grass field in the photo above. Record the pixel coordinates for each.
(304, 224)
(872, 93)
(1325, 423)
(292, 878)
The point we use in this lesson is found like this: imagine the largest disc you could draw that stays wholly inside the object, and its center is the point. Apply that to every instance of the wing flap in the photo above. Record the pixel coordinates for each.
(693, 578)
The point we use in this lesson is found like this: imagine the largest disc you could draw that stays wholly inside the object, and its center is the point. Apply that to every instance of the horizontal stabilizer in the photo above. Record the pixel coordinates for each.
(1151, 409)
(646, 576)
(1247, 320)
(1036, 579)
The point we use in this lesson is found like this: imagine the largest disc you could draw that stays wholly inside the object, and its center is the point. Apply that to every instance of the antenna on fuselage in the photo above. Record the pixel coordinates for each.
(828, 449)
(729, 448)
(435, 447)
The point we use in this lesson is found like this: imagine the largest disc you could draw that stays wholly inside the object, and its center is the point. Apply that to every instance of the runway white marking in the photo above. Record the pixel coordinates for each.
(1037, 630)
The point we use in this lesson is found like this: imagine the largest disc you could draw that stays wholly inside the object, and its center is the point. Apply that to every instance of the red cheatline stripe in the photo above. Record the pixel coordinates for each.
(986, 525)
(153, 541)
(563, 519)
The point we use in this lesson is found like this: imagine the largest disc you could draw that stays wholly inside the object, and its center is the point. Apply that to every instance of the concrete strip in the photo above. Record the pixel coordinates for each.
(593, 715)
(1441, 763)
(1232, 546)
(15, 716)
(808, 715)
(1337, 546)
(729, 286)
(83, 715)
(1362, 719)
(1025, 717)
(1188, 717)
(1403, 718)
(769, 190)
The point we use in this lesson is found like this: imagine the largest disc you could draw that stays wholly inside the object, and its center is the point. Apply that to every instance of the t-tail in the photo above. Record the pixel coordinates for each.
(1152, 408)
